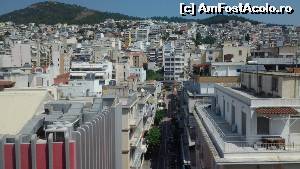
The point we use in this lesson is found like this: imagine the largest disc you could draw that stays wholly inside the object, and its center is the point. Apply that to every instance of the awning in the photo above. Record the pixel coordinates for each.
(276, 110)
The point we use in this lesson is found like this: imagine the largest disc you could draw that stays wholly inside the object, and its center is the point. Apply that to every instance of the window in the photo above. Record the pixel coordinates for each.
(249, 82)
(240, 52)
(259, 81)
(227, 107)
(263, 126)
(275, 84)
(232, 114)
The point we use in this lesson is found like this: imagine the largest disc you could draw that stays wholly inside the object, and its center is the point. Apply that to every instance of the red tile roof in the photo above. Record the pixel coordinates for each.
(276, 110)
(6, 84)
(62, 79)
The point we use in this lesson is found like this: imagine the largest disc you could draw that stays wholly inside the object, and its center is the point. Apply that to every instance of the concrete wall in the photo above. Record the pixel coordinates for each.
(288, 87)
(21, 54)
(235, 52)
(225, 70)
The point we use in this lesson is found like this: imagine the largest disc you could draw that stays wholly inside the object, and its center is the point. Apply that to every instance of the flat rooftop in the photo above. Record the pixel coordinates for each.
(19, 106)
(234, 148)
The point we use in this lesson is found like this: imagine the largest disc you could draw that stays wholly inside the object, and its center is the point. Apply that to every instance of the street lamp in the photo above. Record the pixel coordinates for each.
(254, 62)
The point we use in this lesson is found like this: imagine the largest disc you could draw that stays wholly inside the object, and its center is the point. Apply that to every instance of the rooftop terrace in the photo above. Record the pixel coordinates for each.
(231, 144)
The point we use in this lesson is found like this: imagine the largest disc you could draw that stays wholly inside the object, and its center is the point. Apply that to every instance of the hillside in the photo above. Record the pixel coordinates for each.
(56, 12)
(50, 12)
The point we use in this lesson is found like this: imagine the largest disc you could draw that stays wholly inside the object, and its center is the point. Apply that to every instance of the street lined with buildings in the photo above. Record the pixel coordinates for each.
(186, 95)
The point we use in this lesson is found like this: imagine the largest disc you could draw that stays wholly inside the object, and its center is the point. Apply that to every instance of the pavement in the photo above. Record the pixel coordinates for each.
(167, 157)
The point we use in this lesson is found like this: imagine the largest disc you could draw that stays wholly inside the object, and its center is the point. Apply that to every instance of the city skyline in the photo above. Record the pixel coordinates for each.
(165, 8)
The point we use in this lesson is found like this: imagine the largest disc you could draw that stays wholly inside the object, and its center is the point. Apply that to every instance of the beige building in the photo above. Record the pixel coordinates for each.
(272, 84)
(121, 72)
(235, 53)
(127, 39)
(137, 117)
(137, 59)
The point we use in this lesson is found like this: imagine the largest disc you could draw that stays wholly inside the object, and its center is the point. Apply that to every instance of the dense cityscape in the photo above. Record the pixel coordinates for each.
(149, 94)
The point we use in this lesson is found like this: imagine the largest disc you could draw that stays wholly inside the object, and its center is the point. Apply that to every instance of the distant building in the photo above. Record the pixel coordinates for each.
(140, 73)
(226, 68)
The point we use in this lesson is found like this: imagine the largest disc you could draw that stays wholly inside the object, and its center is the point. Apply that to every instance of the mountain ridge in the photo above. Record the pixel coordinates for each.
(53, 12)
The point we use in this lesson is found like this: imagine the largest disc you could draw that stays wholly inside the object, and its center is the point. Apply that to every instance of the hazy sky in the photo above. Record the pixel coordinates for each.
(146, 8)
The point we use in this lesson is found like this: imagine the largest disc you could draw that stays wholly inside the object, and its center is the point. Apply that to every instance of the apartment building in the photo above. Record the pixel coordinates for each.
(136, 59)
(155, 56)
(127, 39)
(174, 62)
(139, 73)
(235, 53)
(226, 68)
(137, 117)
(142, 34)
(276, 58)
(122, 72)
(271, 84)
(213, 55)
(15, 56)
(59, 134)
(238, 129)
(87, 79)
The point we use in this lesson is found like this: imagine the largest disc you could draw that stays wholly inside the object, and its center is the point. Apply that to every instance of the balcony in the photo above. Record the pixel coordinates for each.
(275, 61)
(134, 121)
(229, 143)
(148, 123)
(137, 159)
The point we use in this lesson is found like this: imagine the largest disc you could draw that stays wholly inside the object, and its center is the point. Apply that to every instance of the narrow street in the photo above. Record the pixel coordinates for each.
(168, 153)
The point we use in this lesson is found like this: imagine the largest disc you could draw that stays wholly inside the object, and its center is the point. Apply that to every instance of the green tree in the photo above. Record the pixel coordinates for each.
(165, 36)
(198, 39)
(247, 37)
(208, 40)
(154, 75)
(159, 115)
(153, 139)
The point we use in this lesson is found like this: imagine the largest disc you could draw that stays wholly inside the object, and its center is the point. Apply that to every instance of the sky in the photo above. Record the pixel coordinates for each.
(148, 8)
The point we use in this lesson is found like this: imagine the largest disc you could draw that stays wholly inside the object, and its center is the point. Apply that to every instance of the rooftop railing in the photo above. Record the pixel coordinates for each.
(235, 143)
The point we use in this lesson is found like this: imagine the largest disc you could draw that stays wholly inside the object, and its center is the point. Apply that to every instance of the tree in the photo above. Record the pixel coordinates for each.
(159, 115)
(208, 40)
(165, 36)
(247, 37)
(198, 39)
(153, 139)
(154, 75)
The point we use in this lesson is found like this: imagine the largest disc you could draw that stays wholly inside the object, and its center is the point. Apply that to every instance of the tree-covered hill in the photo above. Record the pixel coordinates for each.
(51, 12)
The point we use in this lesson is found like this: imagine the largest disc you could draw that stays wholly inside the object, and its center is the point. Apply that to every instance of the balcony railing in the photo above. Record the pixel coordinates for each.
(274, 60)
(234, 143)
(137, 160)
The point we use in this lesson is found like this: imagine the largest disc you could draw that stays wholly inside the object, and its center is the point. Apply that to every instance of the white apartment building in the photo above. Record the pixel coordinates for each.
(243, 130)
(17, 56)
(142, 34)
(226, 68)
(140, 73)
(87, 79)
(174, 62)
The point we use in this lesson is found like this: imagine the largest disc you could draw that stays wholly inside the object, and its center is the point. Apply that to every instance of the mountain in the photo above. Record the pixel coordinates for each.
(51, 12)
